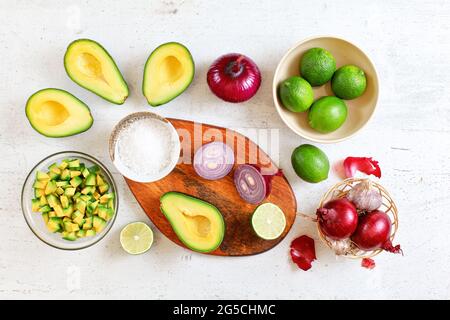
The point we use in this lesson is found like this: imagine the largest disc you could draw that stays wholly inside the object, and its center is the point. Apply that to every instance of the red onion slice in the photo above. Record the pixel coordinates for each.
(250, 184)
(213, 160)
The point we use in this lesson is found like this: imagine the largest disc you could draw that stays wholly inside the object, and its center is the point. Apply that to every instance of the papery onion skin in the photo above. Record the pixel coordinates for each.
(250, 184)
(224, 160)
(363, 164)
(373, 232)
(338, 219)
(234, 77)
(303, 252)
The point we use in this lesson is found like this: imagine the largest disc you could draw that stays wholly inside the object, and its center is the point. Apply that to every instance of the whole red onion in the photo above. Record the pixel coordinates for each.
(234, 77)
(373, 232)
(338, 219)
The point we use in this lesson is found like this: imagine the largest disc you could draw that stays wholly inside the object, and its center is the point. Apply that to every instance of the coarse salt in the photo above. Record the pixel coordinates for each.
(145, 148)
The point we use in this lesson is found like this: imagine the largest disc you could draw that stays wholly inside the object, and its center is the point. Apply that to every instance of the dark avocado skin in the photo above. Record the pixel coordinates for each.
(170, 98)
(61, 135)
(113, 62)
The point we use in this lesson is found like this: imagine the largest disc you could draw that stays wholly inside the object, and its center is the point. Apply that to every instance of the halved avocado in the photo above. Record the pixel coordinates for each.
(197, 223)
(169, 70)
(90, 65)
(57, 113)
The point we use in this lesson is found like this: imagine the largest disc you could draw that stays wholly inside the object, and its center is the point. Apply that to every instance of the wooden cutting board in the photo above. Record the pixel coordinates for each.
(239, 240)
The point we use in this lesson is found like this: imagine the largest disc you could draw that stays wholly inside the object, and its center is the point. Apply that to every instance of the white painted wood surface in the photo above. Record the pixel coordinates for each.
(409, 43)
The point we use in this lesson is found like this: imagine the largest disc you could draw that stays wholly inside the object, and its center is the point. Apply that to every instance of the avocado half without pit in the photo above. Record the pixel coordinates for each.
(57, 113)
(169, 70)
(90, 65)
(198, 224)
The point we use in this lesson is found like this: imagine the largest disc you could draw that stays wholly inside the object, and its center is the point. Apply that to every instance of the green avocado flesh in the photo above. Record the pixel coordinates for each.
(169, 70)
(57, 113)
(90, 65)
(198, 224)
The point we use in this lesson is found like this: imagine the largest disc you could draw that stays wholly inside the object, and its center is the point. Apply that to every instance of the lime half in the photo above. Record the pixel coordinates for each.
(268, 221)
(136, 238)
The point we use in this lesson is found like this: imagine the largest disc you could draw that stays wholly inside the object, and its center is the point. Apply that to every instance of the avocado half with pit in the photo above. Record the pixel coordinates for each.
(57, 113)
(198, 224)
(88, 64)
(169, 70)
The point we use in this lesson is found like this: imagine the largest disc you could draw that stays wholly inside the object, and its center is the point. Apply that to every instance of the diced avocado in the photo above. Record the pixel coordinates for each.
(50, 188)
(76, 181)
(45, 209)
(54, 176)
(40, 184)
(76, 214)
(42, 176)
(68, 211)
(69, 192)
(93, 205)
(169, 70)
(54, 224)
(66, 219)
(71, 236)
(99, 180)
(105, 198)
(81, 206)
(76, 195)
(85, 198)
(54, 168)
(51, 214)
(79, 219)
(62, 184)
(42, 201)
(45, 217)
(59, 191)
(87, 224)
(96, 195)
(59, 211)
(88, 64)
(65, 175)
(70, 227)
(111, 204)
(38, 193)
(85, 172)
(197, 223)
(64, 202)
(90, 180)
(64, 164)
(103, 188)
(35, 205)
(98, 224)
(52, 200)
(81, 233)
(88, 190)
(94, 169)
(90, 233)
(105, 213)
(75, 173)
(74, 164)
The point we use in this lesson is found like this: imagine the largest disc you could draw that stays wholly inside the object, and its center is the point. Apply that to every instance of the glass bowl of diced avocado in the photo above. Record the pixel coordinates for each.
(69, 200)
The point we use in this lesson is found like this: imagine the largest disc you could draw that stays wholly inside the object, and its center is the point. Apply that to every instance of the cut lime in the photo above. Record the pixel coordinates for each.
(136, 238)
(268, 221)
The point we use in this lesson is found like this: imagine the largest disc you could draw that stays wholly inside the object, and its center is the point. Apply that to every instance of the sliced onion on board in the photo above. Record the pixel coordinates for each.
(213, 160)
(250, 184)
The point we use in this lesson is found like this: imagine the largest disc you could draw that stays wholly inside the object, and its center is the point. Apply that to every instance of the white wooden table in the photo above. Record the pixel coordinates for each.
(409, 43)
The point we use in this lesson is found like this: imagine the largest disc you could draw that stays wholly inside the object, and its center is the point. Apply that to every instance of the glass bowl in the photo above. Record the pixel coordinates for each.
(34, 219)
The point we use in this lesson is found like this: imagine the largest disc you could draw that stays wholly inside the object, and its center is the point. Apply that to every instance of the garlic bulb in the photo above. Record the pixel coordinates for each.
(364, 197)
(340, 247)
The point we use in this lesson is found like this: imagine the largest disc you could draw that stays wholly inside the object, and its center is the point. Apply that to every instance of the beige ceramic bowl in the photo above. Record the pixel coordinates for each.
(360, 110)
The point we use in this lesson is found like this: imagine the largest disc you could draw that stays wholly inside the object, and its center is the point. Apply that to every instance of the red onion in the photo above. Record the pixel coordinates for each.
(303, 252)
(338, 219)
(363, 164)
(234, 77)
(250, 184)
(373, 232)
(213, 160)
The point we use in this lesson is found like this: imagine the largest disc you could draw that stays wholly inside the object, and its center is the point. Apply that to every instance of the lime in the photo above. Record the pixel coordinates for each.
(310, 163)
(327, 114)
(136, 238)
(317, 65)
(349, 82)
(268, 221)
(296, 94)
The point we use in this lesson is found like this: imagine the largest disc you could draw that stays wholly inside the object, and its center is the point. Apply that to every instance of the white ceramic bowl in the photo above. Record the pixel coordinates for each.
(128, 121)
(360, 110)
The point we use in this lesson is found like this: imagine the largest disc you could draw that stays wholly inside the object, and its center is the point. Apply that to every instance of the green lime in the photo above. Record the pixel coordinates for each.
(327, 114)
(317, 65)
(310, 163)
(349, 82)
(268, 221)
(136, 238)
(296, 94)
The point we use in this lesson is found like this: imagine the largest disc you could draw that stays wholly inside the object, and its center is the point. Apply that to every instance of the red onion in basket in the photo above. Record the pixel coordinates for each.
(213, 160)
(234, 77)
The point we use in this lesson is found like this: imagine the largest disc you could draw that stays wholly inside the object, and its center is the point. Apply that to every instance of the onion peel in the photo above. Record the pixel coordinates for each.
(303, 252)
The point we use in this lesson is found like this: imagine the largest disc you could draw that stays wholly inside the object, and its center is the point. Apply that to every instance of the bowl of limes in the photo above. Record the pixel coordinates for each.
(325, 89)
